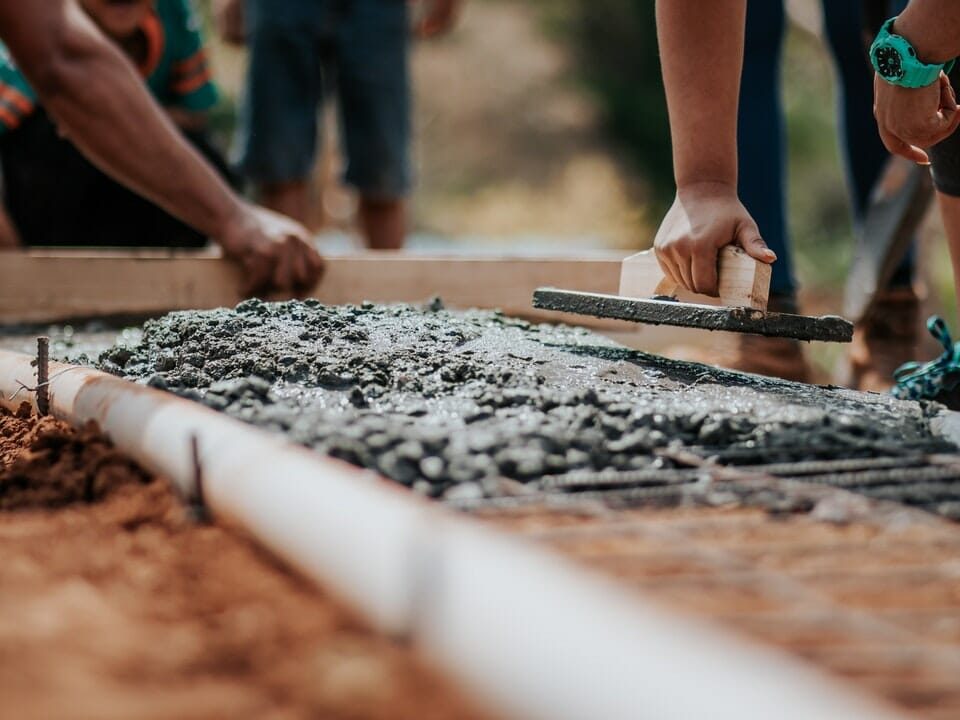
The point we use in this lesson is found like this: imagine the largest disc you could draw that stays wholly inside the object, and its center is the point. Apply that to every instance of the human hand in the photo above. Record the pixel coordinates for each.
(438, 18)
(274, 252)
(705, 217)
(229, 20)
(910, 120)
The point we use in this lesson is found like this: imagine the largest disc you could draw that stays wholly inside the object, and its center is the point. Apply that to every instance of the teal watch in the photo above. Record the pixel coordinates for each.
(896, 61)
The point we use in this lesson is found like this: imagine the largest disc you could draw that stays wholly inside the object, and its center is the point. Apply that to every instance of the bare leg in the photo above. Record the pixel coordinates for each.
(9, 237)
(383, 222)
(291, 199)
(950, 211)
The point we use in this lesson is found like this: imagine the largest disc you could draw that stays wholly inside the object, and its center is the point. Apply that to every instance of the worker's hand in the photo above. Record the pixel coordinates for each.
(911, 120)
(439, 16)
(705, 217)
(274, 251)
(229, 19)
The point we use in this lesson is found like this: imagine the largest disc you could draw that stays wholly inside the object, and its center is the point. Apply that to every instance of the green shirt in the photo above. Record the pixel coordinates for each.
(175, 68)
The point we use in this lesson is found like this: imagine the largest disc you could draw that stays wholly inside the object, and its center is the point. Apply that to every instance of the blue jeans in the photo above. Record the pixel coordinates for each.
(761, 136)
(302, 51)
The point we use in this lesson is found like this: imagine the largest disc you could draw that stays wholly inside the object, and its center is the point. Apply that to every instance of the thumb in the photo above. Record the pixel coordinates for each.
(896, 146)
(748, 237)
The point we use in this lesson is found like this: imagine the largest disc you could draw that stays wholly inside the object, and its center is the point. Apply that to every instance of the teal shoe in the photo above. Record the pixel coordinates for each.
(936, 379)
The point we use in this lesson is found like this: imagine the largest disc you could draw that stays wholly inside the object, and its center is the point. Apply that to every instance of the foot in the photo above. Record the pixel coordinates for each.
(883, 342)
(774, 357)
(938, 379)
(383, 222)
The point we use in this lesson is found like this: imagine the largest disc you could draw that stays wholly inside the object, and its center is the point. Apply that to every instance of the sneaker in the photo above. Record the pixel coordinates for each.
(771, 356)
(883, 342)
(934, 380)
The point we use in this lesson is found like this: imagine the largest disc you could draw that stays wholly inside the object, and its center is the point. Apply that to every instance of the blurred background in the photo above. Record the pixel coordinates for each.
(541, 126)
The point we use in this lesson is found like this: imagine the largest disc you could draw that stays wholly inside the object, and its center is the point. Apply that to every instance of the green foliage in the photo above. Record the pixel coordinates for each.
(818, 203)
(616, 46)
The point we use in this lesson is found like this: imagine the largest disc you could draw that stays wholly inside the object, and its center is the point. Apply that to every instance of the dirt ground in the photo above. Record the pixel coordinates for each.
(118, 605)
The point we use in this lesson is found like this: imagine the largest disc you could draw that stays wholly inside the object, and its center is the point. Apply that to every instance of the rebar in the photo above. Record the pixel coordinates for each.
(43, 375)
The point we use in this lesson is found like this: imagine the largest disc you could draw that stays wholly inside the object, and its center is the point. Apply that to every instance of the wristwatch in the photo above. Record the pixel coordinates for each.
(896, 61)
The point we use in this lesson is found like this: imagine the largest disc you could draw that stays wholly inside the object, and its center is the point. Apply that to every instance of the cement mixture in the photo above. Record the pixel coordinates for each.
(447, 402)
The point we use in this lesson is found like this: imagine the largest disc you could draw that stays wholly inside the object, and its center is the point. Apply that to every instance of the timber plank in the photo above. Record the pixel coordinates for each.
(47, 286)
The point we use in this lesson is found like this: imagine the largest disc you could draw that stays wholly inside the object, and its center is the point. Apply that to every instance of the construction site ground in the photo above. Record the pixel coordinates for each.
(116, 603)
(812, 519)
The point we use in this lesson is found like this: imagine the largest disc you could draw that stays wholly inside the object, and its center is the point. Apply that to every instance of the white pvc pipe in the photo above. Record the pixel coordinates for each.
(529, 634)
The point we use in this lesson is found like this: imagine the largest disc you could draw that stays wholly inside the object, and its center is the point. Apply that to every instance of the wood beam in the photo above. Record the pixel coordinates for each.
(47, 286)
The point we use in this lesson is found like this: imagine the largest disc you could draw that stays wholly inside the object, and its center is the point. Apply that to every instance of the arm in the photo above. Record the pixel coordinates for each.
(99, 102)
(933, 28)
(912, 119)
(701, 51)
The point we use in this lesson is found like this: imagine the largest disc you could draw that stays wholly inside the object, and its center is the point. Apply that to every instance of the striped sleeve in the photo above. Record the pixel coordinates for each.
(191, 80)
(17, 99)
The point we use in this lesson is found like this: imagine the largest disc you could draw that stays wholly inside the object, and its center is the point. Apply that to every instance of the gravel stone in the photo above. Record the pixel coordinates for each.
(435, 398)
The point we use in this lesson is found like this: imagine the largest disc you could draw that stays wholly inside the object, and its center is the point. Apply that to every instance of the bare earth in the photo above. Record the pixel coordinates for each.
(125, 608)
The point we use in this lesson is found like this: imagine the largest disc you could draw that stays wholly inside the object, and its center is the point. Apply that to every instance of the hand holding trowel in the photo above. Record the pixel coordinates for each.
(646, 295)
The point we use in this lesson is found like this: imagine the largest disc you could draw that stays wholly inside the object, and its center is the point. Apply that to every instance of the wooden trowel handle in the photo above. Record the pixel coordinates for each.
(744, 282)
(666, 288)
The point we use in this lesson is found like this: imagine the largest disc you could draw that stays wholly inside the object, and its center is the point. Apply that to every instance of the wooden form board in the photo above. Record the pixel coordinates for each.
(47, 286)
(744, 282)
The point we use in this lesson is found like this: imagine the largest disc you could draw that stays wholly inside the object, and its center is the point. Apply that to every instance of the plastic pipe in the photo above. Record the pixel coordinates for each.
(529, 634)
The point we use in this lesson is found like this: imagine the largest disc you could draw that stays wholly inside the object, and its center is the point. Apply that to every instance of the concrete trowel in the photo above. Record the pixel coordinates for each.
(647, 296)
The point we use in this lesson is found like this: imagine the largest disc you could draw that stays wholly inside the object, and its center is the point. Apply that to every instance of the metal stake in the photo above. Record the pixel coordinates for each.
(198, 504)
(43, 375)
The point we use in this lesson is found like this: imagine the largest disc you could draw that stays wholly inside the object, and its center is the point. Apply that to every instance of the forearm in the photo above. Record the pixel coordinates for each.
(101, 104)
(701, 53)
(933, 28)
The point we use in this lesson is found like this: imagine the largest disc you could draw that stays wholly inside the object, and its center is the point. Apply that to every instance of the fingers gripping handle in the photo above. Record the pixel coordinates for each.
(744, 282)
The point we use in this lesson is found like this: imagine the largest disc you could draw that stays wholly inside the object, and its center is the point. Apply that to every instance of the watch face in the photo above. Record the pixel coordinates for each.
(889, 63)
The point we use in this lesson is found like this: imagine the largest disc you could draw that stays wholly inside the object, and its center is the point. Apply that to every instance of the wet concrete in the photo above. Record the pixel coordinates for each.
(448, 401)
(70, 343)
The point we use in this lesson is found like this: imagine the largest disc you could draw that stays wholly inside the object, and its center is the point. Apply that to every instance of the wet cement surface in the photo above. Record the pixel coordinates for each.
(446, 402)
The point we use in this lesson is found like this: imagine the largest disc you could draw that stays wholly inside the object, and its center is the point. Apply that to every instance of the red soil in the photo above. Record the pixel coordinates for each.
(116, 605)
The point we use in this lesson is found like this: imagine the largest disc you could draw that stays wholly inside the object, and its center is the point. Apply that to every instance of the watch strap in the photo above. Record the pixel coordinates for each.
(912, 72)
